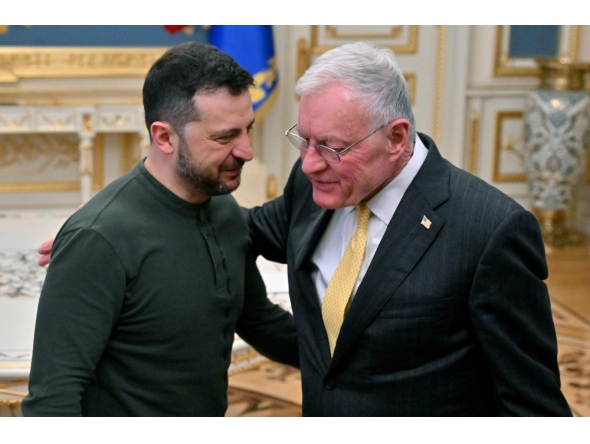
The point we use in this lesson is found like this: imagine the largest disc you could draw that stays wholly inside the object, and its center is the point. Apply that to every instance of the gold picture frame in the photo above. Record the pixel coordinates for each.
(502, 145)
(506, 66)
(408, 46)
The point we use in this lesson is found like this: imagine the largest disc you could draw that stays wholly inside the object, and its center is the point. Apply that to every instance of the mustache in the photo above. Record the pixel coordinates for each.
(234, 165)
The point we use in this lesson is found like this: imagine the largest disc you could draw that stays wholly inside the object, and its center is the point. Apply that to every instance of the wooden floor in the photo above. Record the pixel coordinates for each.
(275, 390)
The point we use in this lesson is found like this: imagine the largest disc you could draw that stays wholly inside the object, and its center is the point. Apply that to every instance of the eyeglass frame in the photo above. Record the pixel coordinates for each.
(324, 147)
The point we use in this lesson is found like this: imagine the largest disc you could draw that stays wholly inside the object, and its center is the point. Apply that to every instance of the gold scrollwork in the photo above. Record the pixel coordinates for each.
(38, 62)
(115, 121)
(17, 122)
(333, 31)
(266, 77)
(59, 151)
(64, 122)
(87, 122)
(509, 144)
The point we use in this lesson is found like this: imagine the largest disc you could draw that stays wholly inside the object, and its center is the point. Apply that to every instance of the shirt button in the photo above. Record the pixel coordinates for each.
(329, 384)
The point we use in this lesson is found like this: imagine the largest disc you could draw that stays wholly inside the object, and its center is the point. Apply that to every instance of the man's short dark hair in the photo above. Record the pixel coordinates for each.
(183, 70)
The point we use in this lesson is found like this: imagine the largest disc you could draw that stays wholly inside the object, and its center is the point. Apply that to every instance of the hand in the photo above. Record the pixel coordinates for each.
(45, 252)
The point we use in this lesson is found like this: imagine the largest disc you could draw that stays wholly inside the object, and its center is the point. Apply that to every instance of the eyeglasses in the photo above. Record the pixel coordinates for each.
(332, 155)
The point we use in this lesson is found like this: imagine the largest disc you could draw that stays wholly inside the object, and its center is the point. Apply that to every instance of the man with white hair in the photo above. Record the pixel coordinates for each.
(417, 288)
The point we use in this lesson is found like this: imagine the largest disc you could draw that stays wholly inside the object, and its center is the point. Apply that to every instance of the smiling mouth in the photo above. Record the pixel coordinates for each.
(233, 167)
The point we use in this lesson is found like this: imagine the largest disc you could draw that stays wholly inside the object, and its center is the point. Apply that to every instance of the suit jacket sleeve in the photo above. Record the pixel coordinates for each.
(269, 224)
(511, 315)
(266, 326)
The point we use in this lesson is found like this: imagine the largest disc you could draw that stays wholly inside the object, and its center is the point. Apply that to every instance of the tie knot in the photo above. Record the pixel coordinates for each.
(363, 214)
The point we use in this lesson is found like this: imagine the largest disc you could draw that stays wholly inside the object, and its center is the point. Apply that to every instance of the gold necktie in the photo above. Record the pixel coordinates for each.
(342, 283)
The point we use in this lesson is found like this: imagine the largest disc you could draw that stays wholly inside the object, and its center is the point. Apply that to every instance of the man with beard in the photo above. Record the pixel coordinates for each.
(150, 279)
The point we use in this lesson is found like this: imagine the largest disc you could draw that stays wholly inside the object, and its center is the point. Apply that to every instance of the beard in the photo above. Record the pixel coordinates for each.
(197, 179)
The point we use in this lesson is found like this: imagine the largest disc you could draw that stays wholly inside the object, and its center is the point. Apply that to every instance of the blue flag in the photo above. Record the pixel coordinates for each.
(252, 47)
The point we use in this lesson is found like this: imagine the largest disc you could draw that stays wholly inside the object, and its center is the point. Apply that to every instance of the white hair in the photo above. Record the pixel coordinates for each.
(373, 77)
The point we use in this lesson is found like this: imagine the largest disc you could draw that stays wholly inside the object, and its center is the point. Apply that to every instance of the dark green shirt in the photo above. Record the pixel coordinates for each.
(140, 304)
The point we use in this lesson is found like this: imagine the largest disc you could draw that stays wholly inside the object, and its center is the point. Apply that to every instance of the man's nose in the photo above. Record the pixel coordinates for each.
(243, 148)
(312, 161)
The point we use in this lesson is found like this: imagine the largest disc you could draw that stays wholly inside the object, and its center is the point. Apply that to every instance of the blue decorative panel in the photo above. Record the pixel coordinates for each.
(531, 41)
(97, 36)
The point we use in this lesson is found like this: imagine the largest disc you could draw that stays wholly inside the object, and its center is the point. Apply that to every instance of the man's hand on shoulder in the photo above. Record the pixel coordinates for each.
(45, 252)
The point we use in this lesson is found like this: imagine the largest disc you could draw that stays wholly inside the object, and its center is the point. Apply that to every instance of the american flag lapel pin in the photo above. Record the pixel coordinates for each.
(426, 222)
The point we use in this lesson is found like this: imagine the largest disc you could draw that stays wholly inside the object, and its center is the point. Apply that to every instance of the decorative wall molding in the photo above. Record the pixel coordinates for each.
(401, 39)
(509, 147)
(63, 135)
(18, 63)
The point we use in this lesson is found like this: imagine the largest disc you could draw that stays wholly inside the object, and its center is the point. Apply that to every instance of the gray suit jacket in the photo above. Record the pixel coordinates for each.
(450, 320)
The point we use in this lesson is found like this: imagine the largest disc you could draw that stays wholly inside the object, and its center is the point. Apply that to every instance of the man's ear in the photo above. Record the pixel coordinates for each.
(164, 137)
(398, 133)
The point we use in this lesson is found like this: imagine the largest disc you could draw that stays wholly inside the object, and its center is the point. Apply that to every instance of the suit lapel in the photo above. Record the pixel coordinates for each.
(405, 241)
(311, 233)
(313, 223)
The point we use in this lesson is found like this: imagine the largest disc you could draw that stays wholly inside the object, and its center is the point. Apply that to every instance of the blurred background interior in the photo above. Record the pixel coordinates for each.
(499, 101)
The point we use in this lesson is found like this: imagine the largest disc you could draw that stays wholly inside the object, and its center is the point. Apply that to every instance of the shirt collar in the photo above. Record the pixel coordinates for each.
(385, 202)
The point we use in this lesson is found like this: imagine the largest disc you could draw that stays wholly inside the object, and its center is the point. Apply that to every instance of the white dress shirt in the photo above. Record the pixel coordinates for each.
(343, 223)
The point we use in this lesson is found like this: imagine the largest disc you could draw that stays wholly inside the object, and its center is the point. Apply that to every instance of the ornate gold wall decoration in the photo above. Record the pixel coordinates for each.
(505, 66)
(64, 122)
(509, 147)
(87, 124)
(115, 120)
(23, 155)
(440, 62)
(131, 153)
(57, 151)
(474, 141)
(42, 62)
(394, 32)
(409, 45)
(18, 122)
(98, 160)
